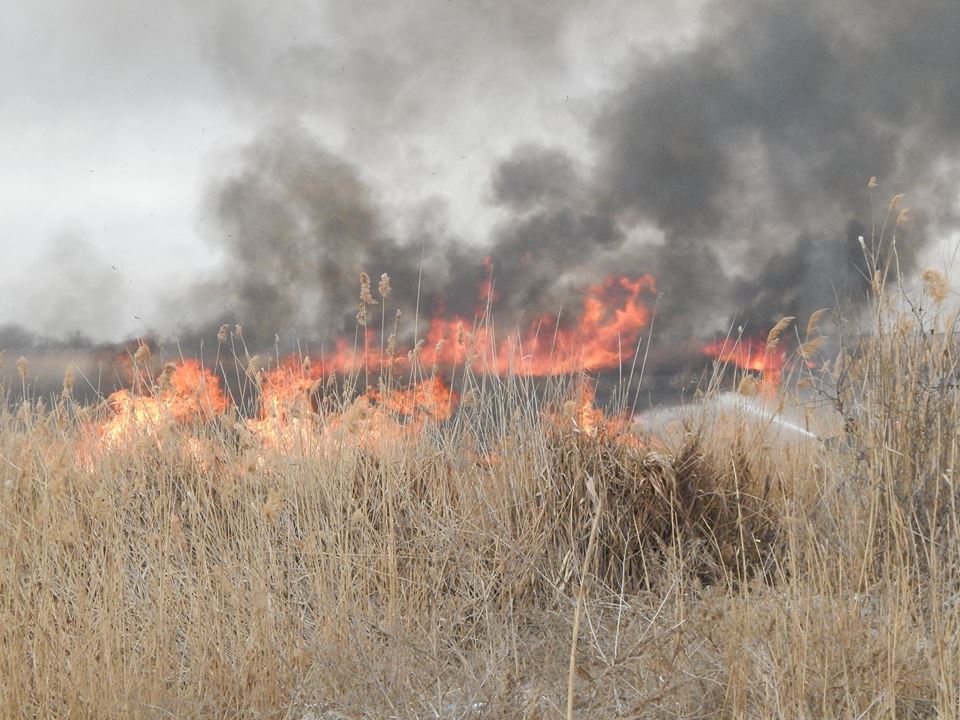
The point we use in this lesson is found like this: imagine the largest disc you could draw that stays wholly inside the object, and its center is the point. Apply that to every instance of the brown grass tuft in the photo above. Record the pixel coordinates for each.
(814, 322)
(935, 285)
(773, 337)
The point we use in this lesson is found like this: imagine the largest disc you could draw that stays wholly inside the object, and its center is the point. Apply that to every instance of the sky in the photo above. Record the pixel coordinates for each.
(110, 120)
(154, 153)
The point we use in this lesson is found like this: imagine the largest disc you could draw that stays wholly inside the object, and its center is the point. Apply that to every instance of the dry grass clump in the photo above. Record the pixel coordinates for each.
(714, 511)
(192, 572)
(242, 583)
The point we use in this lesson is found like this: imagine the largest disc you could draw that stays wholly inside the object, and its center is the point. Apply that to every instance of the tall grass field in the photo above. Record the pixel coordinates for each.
(502, 548)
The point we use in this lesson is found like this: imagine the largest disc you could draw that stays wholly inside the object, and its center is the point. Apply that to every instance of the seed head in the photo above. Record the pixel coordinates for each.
(814, 320)
(365, 297)
(809, 348)
(68, 380)
(773, 337)
(747, 386)
(238, 330)
(384, 286)
(22, 367)
(272, 507)
(166, 377)
(935, 285)
(222, 333)
(415, 353)
(872, 182)
(143, 354)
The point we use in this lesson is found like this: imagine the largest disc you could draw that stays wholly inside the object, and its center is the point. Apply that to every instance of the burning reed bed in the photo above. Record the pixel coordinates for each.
(347, 556)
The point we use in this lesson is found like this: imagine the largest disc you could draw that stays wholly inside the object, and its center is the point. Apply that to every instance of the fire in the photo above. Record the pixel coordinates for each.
(288, 417)
(430, 398)
(751, 354)
(581, 414)
(407, 388)
(285, 390)
(580, 411)
(185, 393)
(603, 335)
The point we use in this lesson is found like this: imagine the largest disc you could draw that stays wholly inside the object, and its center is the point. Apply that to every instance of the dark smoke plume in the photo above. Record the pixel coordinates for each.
(754, 147)
(298, 225)
(295, 221)
(747, 154)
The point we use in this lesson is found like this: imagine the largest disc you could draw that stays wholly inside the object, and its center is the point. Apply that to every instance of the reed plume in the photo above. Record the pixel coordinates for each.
(773, 337)
(814, 320)
(935, 285)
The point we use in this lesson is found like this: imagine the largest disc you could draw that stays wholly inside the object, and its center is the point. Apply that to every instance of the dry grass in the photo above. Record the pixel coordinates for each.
(438, 576)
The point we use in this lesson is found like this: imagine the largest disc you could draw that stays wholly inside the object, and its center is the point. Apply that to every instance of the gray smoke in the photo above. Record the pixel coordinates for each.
(71, 285)
(744, 156)
(752, 149)
(298, 224)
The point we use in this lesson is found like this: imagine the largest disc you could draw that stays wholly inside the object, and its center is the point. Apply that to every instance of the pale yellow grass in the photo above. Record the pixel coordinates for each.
(730, 576)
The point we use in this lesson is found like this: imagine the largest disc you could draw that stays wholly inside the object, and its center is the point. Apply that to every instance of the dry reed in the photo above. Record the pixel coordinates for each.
(714, 573)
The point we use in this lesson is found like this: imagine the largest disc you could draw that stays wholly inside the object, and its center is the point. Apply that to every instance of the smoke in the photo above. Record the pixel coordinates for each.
(297, 224)
(292, 222)
(752, 149)
(68, 286)
(733, 167)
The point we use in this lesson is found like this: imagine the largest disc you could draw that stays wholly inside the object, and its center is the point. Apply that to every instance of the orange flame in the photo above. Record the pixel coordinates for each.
(431, 398)
(751, 354)
(412, 390)
(603, 335)
(581, 415)
(192, 393)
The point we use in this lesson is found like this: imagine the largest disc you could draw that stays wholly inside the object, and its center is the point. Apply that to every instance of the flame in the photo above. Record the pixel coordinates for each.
(581, 412)
(411, 386)
(751, 354)
(288, 416)
(285, 390)
(603, 335)
(187, 393)
(431, 398)
(583, 417)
